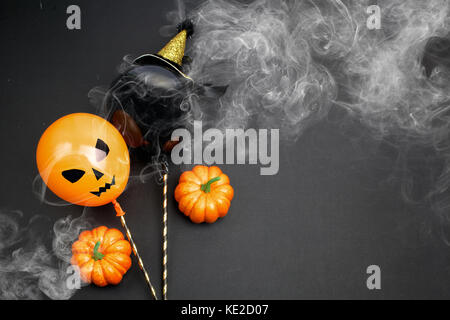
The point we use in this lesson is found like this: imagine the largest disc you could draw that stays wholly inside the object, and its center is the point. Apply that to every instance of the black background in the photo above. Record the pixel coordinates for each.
(310, 231)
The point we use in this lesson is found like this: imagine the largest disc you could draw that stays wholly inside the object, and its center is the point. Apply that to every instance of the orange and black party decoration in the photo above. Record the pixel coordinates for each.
(83, 159)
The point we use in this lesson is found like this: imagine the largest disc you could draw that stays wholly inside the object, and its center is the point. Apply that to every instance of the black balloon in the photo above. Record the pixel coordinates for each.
(150, 97)
(148, 101)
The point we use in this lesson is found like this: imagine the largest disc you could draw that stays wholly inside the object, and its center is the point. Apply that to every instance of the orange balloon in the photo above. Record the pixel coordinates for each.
(83, 159)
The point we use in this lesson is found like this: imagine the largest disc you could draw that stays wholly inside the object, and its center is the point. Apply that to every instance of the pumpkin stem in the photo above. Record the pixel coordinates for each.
(207, 186)
(97, 255)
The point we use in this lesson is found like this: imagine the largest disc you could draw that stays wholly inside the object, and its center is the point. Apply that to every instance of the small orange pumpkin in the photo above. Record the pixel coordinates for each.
(204, 194)
(103, 256)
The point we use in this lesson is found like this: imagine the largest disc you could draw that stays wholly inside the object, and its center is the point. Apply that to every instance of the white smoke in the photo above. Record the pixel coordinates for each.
(386, 80)
(282, 61)
(261, 52)
(28, 268)
(287, 63)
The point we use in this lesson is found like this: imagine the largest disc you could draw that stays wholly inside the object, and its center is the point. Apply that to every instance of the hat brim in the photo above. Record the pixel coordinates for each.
(158, 60)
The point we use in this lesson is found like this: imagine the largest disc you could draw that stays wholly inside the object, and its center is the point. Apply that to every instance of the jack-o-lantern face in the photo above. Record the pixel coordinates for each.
(83, 159)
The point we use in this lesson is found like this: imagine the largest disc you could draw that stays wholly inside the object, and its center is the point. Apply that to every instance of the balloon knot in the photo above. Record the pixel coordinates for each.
(118, 209)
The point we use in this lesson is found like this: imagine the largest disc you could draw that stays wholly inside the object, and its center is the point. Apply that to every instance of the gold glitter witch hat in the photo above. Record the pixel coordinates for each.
(174, 49)
(172, 55)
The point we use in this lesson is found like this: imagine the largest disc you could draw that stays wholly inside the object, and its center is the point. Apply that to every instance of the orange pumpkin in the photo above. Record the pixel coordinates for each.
(103, 256)
(204, 194)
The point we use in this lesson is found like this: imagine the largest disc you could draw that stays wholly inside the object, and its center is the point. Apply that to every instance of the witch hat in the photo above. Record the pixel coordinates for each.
(174, 49)
(172, 54)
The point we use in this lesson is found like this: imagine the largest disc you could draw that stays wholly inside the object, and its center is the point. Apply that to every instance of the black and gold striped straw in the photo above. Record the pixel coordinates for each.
(140, 262)
(121, 213)
(165, 236)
